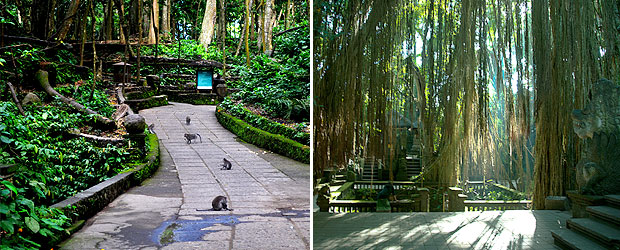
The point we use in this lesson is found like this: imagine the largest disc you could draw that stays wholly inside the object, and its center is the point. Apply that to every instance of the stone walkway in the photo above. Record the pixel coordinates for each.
(514, 229)
(267, 192)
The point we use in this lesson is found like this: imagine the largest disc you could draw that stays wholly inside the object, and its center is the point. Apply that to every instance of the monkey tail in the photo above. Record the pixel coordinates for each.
(200, 137)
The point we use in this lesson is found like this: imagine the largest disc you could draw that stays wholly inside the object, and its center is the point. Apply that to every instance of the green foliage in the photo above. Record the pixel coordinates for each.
(280, 85)
(25, 224)
(263, 123)
(139, 94)
(53, 166)
(99, 101)
(275, 143)
(367, 194)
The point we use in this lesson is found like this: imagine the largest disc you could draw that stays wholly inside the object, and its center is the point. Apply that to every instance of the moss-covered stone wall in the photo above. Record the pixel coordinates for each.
(276, 143)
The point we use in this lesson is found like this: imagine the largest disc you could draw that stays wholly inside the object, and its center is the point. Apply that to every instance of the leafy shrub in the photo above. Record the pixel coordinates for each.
(275, 143)
(263, 123)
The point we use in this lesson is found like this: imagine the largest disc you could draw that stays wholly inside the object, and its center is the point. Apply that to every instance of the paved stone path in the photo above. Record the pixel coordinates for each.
(269, 194)
(514, 229)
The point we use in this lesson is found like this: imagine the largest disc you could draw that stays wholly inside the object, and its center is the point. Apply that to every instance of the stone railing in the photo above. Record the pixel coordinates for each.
(420, 202)
(496, 205)
(356, 206)
(378, 185)
(457, 202)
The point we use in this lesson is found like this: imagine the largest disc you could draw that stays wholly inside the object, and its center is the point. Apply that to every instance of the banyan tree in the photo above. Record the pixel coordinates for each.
(489, 85)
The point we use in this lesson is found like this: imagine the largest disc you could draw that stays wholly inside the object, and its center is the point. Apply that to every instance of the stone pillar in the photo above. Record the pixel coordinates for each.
(424, 200)
(456, 200)
(153, 81)
(323, 199)
(221, 90)
(135, 126)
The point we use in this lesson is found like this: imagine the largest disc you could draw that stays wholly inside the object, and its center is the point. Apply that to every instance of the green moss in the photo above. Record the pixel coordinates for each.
(152, 160)
(267, 124)
(193, 98)
(275, 143)
(154, 101)
(139, 94)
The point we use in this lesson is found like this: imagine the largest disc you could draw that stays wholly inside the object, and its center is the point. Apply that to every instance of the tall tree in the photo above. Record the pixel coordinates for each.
(208, 24)
(154, 23)
(108, 21)
(221, 24)
(68, 20)
(41, 13)
(267, 26)
(165, 18)
(247, 31)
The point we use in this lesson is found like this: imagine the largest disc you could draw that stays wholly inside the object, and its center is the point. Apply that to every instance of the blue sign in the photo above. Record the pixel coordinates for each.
(205, 80)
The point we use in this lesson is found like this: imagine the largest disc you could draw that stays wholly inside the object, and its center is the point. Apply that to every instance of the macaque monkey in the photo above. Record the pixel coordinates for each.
(152, 128)
(227, 165)
(218, 204)
(190, 137)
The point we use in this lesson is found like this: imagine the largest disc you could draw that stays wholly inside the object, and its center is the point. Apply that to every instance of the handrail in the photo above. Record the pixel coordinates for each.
(356, 206)
(482, 205)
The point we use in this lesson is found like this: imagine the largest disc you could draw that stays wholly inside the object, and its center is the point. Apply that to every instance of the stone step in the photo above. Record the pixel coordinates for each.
(340, 177)
(613, 200)
(339, 182)
(567, 239)
(605, 213)
(600, 231)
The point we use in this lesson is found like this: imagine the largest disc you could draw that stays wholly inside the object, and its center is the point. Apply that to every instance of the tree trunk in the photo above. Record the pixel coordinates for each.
(165, 19)
(154, 23)
(547, 179)
(247, 21)
(42, 77)
(268, 27)
(14, 95)
(83, 24)
(109, 21)
(71, 12)
(287, 22)
(139, 38)
(242, 36)
(123, 23)
(40, 22)
(221, 24)
(208, 23)
(25, 21)
(51, 18)
(121, 33)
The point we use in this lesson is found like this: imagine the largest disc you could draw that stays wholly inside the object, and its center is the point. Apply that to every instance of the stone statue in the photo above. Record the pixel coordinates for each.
(598, 124)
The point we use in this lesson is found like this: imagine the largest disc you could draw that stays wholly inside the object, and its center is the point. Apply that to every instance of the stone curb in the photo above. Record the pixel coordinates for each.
(92, 200)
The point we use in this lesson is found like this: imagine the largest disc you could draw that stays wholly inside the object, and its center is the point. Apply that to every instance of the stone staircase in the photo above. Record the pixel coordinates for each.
(600, 231)
(414, 162)
(370, 170)
(339, 179)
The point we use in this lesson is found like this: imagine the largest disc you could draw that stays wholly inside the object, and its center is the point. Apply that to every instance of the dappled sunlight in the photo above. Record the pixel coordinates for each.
(515, 229)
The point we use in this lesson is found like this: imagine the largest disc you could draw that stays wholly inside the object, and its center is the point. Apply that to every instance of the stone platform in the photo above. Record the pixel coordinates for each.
(512, 229)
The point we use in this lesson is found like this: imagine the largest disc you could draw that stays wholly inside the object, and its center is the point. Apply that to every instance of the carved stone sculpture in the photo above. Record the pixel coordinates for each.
(598, 124)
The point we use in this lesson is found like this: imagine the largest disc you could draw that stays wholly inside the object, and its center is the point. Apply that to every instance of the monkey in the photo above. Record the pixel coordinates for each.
(187, 120)
(152, 128)
(190, 137)
(219, 203)
(227, 165)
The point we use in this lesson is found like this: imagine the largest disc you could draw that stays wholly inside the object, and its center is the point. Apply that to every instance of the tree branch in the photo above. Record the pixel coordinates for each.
(19, 106)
